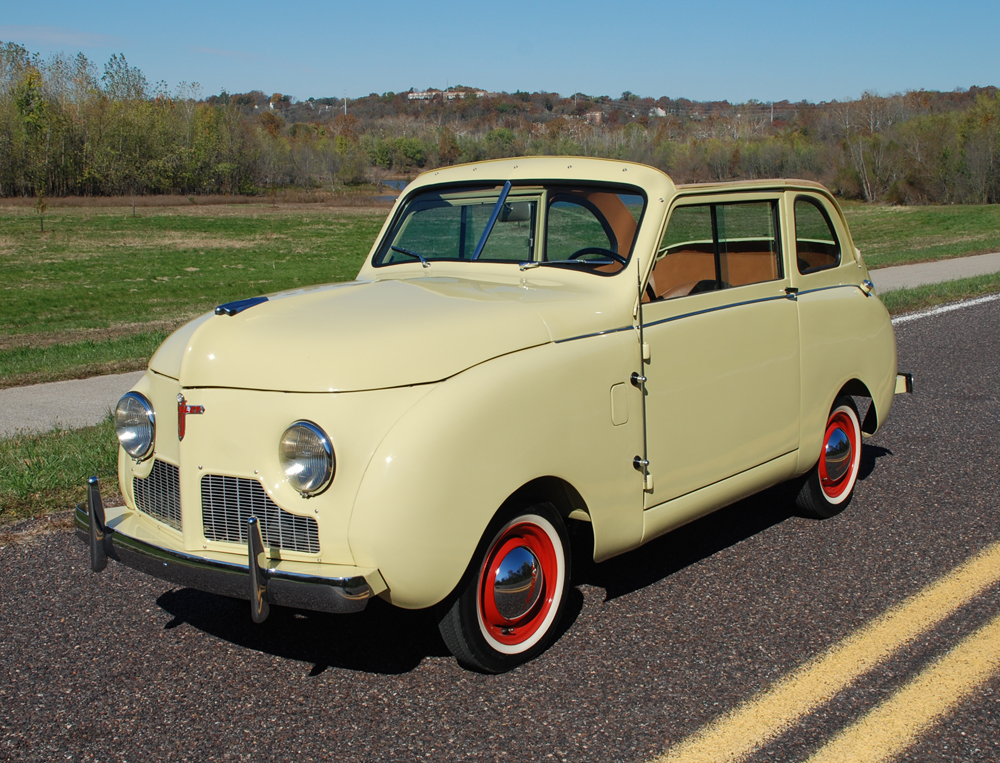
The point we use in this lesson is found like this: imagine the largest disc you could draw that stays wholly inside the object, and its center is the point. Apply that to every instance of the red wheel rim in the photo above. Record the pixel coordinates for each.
(844, 422)
(536, 540)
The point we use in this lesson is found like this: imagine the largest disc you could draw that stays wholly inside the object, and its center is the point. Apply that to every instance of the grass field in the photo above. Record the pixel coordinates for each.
(900, 235)
(100, 288)
(44, 473)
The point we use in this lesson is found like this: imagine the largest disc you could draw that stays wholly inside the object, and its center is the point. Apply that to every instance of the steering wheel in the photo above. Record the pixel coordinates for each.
(597, 250)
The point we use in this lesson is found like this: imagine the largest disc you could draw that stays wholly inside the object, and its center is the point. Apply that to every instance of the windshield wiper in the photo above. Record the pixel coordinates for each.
(407, 252)
(538, 263)
(492, 221)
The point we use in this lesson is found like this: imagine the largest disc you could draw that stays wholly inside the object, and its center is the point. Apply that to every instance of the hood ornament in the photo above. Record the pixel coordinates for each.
(183, 411)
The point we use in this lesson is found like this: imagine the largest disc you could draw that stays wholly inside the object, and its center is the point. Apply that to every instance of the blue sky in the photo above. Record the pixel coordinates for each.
(817, 51)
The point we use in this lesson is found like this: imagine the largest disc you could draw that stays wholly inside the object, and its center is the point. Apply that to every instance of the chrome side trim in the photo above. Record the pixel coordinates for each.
(838, 286)
(709, 310)
(720, 307)
(596, 333)
(337, 595)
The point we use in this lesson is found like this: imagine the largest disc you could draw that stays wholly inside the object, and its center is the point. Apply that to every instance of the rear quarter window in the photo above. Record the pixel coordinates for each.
(816, 243)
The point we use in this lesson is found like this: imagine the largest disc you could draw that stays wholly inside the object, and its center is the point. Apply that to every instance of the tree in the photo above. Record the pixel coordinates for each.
(123, 82)
(447, 147)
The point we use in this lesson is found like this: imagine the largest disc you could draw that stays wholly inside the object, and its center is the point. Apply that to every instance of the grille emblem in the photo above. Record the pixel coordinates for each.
(183, 411)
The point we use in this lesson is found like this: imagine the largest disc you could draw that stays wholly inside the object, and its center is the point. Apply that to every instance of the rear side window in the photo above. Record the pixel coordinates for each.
(708, 247)
(816, 245)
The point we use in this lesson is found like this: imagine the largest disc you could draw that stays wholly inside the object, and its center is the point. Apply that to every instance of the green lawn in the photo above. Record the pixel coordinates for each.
(909, 300)
(99, 289)
(102, 268)
(45, 473)
(899, 235)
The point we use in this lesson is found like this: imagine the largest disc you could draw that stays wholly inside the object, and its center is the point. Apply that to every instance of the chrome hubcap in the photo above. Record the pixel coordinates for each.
(838, 455)
(518, 583)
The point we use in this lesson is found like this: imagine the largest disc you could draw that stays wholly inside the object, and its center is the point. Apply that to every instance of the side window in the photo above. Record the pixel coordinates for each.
(686, 263)
(708, 247)
(816, 245)
(573, 227)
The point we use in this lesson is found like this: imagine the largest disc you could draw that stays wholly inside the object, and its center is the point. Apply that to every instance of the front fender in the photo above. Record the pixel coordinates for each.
(447, 466)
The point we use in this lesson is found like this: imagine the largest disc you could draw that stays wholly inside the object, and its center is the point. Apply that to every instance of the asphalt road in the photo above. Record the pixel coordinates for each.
(911, 276)
(65, 404)
(658, 644)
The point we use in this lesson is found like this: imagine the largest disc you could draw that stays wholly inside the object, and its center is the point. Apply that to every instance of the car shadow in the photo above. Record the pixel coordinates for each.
(702, 538)
(689, 544)
(381, 639)
(387, 640)
(870, 454)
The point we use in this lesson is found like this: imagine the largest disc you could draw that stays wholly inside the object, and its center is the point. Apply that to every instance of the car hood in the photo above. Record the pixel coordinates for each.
(354, 336)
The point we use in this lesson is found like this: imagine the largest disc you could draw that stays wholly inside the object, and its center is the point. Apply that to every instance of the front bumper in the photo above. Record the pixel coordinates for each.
(254, 579)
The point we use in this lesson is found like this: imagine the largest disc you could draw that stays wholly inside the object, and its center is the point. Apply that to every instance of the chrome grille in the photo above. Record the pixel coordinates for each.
(228, 502)
(159, 494)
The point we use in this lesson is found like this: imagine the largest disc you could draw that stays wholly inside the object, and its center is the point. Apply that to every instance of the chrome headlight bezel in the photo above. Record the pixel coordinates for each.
(308, 479)
(136, 438)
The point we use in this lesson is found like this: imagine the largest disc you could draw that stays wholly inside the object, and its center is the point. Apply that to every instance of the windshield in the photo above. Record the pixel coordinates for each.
(585, 228)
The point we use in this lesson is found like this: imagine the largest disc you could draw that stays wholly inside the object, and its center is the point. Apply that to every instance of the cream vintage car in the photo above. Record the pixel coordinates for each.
(531, 343)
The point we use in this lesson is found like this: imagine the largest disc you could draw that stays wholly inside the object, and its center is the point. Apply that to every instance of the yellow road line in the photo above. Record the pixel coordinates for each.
(753, 724)
(895, 724)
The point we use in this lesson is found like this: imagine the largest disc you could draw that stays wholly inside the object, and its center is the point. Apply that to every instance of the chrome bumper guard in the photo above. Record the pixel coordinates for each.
(255, 581)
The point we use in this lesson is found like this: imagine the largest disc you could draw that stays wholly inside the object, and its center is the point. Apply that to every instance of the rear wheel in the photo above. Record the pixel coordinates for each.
(510, 601)
(830, 485)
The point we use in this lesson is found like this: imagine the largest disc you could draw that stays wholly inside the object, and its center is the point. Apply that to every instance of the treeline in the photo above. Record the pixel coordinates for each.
(68, 128)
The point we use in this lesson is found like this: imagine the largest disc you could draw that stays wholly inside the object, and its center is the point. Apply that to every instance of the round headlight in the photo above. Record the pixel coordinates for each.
(135, 425)
(306, 457)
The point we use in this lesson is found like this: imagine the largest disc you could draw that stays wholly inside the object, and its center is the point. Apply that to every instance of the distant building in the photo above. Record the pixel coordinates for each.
(451, 95)
(595, 117)
(657, 112)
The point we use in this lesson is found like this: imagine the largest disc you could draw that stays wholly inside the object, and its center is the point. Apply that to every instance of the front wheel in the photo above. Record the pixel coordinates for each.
(512, 596)
(830, 485)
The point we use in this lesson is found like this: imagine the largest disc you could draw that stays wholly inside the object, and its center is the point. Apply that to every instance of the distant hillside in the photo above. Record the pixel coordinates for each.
(68, 128)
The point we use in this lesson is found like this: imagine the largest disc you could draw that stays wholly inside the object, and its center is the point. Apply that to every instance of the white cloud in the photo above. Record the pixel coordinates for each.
(57, 37)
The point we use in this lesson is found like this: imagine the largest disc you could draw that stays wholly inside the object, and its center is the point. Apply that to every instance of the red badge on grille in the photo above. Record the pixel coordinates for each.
(183, 411)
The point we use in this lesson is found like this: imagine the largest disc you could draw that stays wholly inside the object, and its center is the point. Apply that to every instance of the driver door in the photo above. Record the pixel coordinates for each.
(723, 371)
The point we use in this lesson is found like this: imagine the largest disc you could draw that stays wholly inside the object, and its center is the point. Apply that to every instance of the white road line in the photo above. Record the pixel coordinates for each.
(944, 309)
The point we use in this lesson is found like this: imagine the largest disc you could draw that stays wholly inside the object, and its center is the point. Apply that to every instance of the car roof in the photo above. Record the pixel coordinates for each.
(767, 183)
(546, 168)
